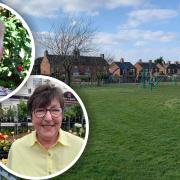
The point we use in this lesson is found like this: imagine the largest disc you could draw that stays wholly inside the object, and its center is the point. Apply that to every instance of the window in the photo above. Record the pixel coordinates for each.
(87, 71)
(75, 71)
(37, 82)
(29, 91)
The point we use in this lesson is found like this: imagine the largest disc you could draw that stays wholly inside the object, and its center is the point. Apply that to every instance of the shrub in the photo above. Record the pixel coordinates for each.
(17, 51)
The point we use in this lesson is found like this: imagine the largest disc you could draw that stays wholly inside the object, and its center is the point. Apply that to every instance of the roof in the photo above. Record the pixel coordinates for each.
(147, 65)
(174, 66)
(124, 65)
(83, 60)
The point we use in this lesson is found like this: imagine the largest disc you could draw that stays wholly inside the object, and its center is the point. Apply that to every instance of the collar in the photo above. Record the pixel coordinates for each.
(63, 139)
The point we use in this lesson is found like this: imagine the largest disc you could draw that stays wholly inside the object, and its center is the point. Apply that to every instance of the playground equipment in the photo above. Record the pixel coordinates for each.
(149, 80)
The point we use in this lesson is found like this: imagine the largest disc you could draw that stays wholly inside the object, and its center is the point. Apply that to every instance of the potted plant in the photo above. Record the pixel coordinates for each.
(5, 144)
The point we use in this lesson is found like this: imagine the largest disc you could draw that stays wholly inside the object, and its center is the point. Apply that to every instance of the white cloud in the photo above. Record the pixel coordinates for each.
(112, 4)
(169, 54)
(115, 44)
(47, 8)
(140, 43)
(135, 18)
(134, 36)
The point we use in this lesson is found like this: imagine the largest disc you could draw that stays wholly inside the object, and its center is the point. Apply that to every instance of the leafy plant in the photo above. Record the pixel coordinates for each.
(17, 50)
(22, 110)
(73, 111)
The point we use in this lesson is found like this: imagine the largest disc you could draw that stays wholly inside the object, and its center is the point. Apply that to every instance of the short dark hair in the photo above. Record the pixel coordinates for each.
(43, 95)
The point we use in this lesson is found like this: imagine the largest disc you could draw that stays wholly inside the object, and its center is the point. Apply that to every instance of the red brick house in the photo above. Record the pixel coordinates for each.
(82, 66)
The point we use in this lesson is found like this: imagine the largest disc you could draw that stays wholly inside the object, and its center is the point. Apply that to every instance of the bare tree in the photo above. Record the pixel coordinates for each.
(70, 37)
(110, 58)
(101, 70)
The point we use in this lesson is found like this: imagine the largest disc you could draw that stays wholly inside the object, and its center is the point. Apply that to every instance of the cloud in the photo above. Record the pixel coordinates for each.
(169, 54)
(138, 17)
(140, 43)
(129, 44)
(134, 36)
(47, 8)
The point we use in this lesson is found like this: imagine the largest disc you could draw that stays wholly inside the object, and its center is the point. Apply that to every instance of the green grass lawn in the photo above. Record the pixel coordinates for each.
(134, 134)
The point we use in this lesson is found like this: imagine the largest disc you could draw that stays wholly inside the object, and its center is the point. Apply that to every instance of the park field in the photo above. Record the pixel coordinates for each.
(134, 134)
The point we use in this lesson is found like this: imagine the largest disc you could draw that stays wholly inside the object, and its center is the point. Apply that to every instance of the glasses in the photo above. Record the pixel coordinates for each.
(41, 112)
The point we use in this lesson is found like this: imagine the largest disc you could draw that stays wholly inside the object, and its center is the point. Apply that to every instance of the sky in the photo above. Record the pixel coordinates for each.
(129, 29)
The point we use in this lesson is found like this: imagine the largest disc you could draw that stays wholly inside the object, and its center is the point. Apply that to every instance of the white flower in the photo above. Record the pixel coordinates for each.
(22, 53)
(78, 125)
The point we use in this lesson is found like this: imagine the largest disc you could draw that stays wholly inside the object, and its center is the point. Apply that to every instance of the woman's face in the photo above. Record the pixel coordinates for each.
(47, 127)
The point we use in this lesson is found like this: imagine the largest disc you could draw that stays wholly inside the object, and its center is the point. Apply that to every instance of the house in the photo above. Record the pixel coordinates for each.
(81, 66)
(162, 68)
(122, 68)
(173, 68)
(149, 68)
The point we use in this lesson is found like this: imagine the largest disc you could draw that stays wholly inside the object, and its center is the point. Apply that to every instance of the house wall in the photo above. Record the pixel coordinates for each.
(114, 70)
(162, 69)
(178, 71)
(45, 66)
(138, 68)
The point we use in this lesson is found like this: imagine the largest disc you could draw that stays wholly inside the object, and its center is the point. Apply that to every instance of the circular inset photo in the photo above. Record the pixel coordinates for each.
(44, 129)
(17, 52)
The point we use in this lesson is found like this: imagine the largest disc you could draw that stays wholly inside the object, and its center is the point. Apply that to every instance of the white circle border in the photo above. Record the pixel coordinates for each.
(32, 59)
(85, 139)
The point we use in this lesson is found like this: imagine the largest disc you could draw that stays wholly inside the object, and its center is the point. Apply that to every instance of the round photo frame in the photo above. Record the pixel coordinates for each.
(69, 89)
(32, 58)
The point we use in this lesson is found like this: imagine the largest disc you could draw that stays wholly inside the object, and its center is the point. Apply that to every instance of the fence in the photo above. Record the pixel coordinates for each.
(130, 79)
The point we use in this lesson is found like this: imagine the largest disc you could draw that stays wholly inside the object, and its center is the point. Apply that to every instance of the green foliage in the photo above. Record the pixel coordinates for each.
(11, 113)
(17, 51)
(1, 113)
(8, 113)
(159, 60)
(22, 111)
(73, 111)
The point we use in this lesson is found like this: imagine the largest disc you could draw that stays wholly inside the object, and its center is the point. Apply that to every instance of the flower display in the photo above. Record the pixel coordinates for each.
(5, 143)
(79, 130)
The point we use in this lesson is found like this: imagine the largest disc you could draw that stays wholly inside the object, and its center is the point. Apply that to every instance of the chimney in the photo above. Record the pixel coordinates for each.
(176, 62)
(169, 62)
(45, 53)
(102, 56)
(140, 61)
(122, 60)
(76, 53)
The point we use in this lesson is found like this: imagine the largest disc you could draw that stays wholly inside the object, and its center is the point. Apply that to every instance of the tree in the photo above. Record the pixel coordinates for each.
(70, 37)
(159, 60)
(1, 112)
(101, 70)
(22, 110)
(73, 111)
(11, 113)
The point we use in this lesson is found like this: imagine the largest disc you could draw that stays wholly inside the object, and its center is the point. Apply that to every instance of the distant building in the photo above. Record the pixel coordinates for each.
(149, 68)
(162, 68)
(122, 68)
(82, 66)
(173, 68)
